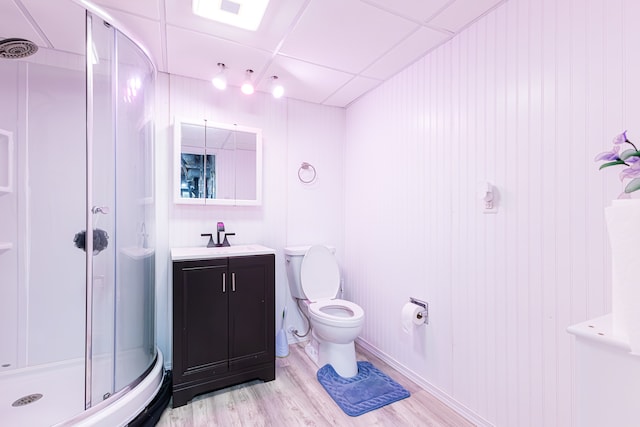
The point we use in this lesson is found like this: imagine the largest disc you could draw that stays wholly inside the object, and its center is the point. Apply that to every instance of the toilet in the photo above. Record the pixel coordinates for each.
(314, 277)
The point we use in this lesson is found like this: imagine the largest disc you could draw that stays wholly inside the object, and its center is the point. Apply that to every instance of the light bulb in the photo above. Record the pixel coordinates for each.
(219, 82)
(247, 86)
(220, 79)
(276, 88)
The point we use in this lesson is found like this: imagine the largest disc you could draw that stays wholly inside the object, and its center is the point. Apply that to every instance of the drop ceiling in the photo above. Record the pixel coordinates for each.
(323, 51)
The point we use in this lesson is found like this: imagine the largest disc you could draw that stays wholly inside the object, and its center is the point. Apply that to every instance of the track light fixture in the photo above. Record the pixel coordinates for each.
(277, 90)
(220, 80)
(247, 86)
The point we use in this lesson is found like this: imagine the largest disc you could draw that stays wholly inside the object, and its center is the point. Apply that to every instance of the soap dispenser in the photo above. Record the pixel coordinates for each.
(225, 242)
(220, 230)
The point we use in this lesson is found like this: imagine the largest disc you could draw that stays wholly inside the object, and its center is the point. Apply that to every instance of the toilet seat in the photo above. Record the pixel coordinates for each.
(319, 274)
(337, 312)
(320, 281)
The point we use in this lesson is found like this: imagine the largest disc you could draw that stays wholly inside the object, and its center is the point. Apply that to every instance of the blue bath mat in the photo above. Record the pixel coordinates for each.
(370, 389)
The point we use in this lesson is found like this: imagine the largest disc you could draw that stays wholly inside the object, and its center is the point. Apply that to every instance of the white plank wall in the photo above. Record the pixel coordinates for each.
(291, 213)
(524, 98)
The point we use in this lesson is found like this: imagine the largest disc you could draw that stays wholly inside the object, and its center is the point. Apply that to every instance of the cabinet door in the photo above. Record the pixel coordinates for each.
(251, 311)
(200, 319)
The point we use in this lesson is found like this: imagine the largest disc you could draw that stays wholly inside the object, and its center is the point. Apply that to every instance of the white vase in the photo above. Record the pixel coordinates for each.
(623, 225)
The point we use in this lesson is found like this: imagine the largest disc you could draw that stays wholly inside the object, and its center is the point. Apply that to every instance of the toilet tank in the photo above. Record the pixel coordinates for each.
(293, 256)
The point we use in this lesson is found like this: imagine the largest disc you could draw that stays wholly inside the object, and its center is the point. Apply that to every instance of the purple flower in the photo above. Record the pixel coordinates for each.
(620, 139)
(609, 155)
(630, 158)
(632, 171)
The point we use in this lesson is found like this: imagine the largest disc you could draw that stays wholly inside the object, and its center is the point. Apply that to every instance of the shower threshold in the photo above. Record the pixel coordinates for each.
(62, 403)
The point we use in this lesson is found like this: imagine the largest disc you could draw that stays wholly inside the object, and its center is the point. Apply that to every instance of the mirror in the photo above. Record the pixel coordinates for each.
(217, 163)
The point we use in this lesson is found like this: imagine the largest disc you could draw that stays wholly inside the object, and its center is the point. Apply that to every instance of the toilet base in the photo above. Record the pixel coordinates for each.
(342, 357)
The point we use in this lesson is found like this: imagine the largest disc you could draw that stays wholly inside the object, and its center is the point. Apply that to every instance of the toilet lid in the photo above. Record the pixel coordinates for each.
(319, 274)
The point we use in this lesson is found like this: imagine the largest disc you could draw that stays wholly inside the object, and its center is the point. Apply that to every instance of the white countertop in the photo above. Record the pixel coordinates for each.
(186, 254)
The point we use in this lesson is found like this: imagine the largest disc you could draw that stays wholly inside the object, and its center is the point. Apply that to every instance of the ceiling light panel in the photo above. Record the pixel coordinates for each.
(246, 14)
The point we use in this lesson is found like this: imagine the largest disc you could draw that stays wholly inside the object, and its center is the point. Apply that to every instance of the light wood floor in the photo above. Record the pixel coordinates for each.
(296, 398)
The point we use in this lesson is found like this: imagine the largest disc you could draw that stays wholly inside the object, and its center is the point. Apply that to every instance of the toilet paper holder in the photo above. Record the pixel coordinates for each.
(424, 314)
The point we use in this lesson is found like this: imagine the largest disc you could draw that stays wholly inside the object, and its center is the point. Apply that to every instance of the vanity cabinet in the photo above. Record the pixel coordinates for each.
(223, 323)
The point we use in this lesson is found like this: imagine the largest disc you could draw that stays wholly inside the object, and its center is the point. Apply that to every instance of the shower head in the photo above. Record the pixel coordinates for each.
(17, 48)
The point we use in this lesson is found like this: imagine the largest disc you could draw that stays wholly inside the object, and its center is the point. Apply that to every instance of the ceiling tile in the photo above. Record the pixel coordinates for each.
(146, 8)
(277, 20)
(196, 55)
(413, 47)
(419, 10)
(147, 33)
(325, 51)
(352, 91)
(15, 25)
(304, 81)
(346, 35)
(461, 13)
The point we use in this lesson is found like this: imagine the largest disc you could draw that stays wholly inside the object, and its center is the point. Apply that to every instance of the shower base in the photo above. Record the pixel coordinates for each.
(62, 388)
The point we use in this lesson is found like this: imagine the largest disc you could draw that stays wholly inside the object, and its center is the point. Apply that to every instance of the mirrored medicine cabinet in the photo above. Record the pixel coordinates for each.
(217, 163)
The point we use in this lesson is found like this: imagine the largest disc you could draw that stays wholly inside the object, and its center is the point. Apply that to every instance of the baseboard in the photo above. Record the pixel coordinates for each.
(441, 395)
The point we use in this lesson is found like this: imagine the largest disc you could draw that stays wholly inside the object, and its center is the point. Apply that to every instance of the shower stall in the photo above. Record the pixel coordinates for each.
(77, 259)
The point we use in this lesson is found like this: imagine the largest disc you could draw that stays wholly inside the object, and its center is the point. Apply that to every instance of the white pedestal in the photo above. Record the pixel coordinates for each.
(607, 376)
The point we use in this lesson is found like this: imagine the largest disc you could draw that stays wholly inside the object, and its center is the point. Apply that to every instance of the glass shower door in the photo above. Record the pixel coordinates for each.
(135, 345)
(101, 215)
(120, 89)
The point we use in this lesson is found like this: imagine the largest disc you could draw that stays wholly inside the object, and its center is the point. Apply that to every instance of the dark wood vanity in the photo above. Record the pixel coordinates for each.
(223, 319)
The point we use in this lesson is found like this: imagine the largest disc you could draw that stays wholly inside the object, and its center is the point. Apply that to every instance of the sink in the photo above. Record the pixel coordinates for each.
(183, 254)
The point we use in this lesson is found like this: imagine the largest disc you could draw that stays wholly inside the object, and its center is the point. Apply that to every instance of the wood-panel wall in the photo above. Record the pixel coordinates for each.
(291, 213)
(524, 98)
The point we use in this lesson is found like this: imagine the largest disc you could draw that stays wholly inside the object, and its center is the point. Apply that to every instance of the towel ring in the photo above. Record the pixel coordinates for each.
(307, 166)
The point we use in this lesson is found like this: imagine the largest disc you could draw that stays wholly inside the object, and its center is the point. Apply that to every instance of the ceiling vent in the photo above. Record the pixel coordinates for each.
(230, 6)
(246, 14)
